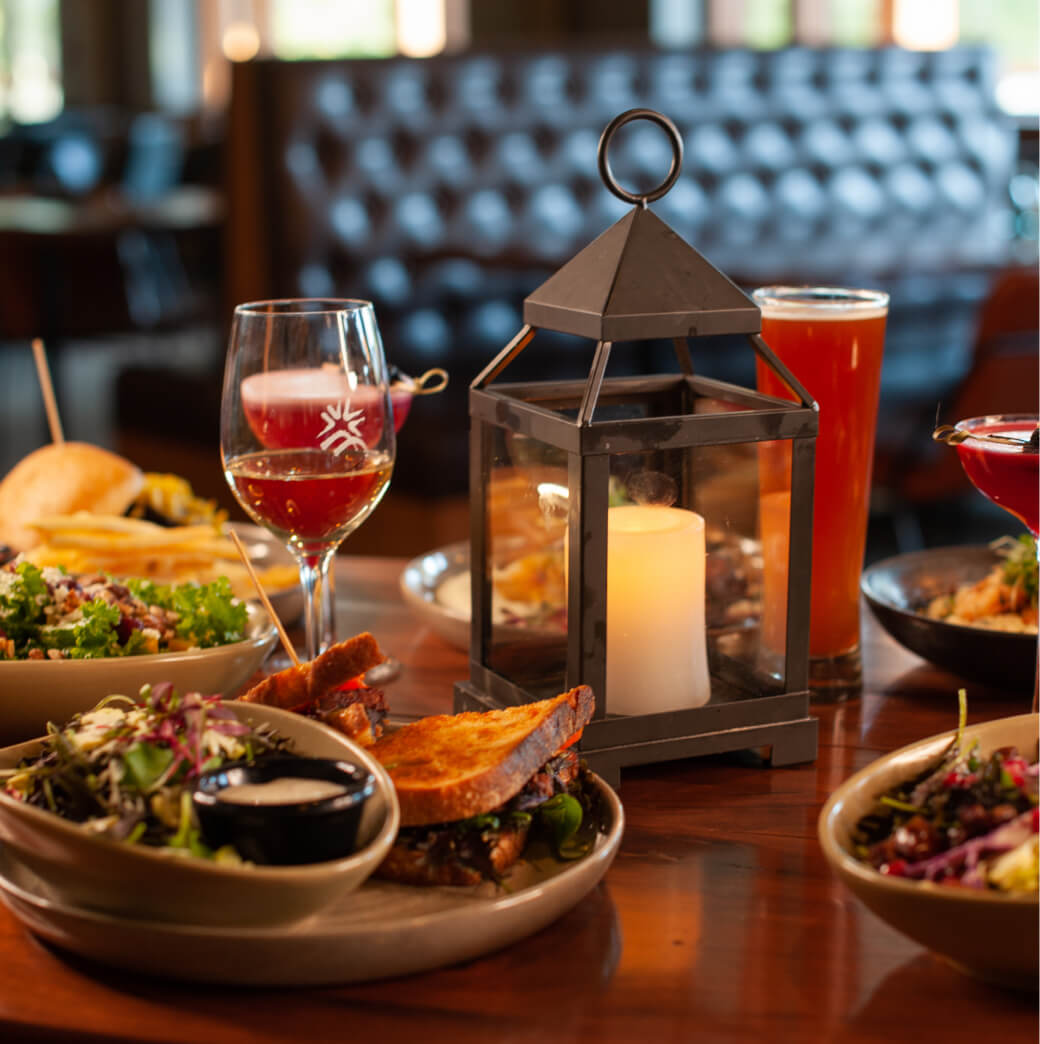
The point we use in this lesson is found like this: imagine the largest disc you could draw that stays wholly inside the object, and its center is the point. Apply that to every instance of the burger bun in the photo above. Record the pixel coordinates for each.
(61, 479)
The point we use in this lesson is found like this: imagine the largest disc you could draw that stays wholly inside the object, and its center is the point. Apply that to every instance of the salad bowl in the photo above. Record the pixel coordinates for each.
(35, 692)
(992, 935)
(83, 869)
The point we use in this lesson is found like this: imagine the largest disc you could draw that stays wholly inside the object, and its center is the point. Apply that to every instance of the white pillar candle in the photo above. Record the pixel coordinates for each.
(656, 645)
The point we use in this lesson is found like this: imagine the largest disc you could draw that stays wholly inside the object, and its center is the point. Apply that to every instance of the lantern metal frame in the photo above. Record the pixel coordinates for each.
(638, 258)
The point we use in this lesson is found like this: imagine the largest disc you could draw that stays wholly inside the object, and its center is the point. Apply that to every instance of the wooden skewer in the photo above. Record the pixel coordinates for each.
(286, 644)
(49, 403)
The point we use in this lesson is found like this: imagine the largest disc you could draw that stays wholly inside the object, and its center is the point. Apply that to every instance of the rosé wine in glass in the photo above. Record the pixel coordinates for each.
(308, 494)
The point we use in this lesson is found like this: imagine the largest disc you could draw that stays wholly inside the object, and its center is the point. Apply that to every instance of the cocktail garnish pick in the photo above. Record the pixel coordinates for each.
(49, 403)
(286, 644)
(952, 436)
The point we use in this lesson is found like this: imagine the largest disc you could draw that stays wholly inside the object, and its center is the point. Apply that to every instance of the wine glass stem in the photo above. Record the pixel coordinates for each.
(318, 604)
(328, 609)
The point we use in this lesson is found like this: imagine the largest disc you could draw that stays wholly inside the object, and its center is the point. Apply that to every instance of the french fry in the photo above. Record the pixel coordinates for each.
(128, 547)
(89, 522)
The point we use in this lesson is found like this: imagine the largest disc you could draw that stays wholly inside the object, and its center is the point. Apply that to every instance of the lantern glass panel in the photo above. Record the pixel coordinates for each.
(721, 484)
(528, 497)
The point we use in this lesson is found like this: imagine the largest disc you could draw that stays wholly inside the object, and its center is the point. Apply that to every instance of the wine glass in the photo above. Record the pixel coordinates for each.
(1000, 454)
(307, 432)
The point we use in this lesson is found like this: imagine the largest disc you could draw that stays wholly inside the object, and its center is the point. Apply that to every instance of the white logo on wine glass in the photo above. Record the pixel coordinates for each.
(344, 423)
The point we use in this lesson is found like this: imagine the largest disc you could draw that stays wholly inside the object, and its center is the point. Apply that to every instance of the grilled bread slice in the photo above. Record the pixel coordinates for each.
(453, 766)
(296, 687)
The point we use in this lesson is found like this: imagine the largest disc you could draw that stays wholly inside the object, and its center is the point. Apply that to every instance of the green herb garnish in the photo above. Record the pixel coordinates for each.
(1020, 564)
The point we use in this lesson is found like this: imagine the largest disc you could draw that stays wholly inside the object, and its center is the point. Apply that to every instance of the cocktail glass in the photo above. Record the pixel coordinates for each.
(1000, 454)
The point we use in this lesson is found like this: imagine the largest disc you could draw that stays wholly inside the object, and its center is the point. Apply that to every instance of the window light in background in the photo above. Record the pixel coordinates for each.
(1012, 27)
(421, 27)
(925, 25)
(240, 41)
(30, 60)
(677, 23)
(331, 28)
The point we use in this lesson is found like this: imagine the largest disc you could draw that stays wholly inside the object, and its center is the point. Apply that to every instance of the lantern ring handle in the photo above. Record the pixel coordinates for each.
(603, 159)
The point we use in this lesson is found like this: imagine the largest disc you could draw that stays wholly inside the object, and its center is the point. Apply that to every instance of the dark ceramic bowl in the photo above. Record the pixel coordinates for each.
(289, 832)
(898, 591)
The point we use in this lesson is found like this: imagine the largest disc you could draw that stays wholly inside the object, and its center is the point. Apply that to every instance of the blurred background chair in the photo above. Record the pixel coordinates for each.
(920, 485)
(447, 189)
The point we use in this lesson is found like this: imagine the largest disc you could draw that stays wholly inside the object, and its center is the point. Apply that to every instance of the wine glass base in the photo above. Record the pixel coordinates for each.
(383, 673)
(835, 679)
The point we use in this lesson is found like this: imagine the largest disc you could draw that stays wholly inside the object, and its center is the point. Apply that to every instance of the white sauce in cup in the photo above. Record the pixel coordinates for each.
(285, 790)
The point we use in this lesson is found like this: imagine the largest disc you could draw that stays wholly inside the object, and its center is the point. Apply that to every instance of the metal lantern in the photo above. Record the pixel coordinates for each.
(649, 536)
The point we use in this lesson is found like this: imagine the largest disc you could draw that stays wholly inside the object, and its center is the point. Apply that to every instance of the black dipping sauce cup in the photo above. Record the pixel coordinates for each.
(289, 833)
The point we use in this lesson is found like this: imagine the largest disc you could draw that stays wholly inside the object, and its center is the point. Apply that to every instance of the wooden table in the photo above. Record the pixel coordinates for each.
(719, 920)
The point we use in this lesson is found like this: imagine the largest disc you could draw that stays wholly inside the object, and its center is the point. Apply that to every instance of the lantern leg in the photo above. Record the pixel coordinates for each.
(504, 357)
(793, 742)
(770, 358)
(594, 383)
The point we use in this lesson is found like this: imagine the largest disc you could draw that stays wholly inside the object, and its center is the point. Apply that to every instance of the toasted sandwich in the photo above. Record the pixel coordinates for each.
(319, 689)
(471, 786)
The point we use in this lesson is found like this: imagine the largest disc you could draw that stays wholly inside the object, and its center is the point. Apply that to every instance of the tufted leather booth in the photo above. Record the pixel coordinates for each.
(447, 189)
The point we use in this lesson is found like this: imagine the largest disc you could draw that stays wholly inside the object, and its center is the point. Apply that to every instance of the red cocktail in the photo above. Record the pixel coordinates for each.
(1001, 458)
(1000, 454)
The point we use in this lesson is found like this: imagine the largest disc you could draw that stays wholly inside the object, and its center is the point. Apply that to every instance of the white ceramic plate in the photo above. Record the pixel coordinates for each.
(437, 587)
(35, 692)
(381, 930)
(83, 869)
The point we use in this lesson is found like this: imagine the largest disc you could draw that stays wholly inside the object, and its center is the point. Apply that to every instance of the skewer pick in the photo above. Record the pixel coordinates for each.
(286, 644)
(49, 403)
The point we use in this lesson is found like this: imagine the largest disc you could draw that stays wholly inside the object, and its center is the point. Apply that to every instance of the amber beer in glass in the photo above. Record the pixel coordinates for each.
(832, 340)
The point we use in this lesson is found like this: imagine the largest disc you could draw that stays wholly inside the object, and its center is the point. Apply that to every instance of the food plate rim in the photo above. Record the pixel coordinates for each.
(917, 752)
(156, 856)
(943, 626)
(43, 916)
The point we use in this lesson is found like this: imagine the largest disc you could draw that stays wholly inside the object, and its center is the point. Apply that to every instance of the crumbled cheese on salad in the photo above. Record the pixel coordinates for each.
(49, 614)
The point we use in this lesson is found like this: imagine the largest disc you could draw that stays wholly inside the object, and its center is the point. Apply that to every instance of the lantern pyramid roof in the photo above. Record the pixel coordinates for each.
(640, 280)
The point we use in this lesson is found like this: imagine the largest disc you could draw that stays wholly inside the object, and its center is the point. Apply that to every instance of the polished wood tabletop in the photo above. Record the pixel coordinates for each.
(718, 921)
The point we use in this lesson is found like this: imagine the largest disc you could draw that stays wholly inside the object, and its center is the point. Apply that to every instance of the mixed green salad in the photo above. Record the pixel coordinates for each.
(49, 614)
(124, 769)
(969, 820)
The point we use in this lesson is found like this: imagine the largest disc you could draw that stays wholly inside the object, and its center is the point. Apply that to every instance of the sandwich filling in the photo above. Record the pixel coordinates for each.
(552, 804)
